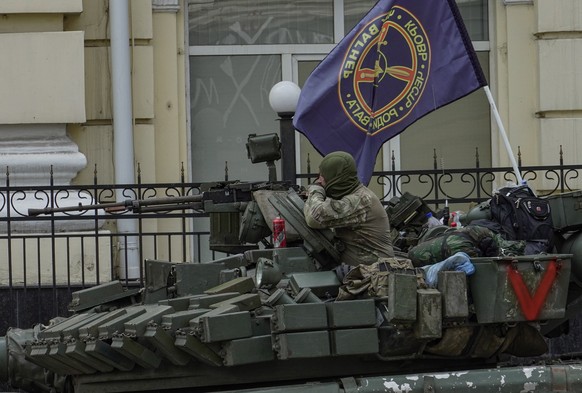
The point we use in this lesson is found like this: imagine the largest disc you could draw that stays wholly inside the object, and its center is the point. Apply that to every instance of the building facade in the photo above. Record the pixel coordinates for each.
(201, 72)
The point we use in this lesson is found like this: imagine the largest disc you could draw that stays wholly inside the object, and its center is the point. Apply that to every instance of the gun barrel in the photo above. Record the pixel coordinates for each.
(136, 205)
(79, 208)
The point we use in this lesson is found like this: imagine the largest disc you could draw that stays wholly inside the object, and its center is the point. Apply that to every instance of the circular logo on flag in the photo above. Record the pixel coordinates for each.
(384, 71)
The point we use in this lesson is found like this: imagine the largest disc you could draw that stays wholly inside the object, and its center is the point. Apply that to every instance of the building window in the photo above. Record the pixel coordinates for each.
(259, 22)
(229, 101)
(475, 16)
(474, 13)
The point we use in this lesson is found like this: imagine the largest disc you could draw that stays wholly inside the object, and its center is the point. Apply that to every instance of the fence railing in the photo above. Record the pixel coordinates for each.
(475, 184)
(47, 257)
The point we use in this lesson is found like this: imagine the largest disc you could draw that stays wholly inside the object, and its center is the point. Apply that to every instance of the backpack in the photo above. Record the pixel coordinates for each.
(524, 216)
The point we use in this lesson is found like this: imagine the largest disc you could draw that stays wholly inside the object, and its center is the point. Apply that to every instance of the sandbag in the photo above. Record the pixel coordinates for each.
(369, 281)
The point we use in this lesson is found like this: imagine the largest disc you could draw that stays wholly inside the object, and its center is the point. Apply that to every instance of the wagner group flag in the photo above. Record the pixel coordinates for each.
(404, 59)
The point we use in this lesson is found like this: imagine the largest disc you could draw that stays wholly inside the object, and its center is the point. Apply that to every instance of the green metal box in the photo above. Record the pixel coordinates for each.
(566, 210)
(401, 302)
(453, 286)
(429, 318)
(302, 345)
(353, 313)
(354, 341)
(221, 327)
(520, 288)
(248, 350)
(323, 284)
(294, 317)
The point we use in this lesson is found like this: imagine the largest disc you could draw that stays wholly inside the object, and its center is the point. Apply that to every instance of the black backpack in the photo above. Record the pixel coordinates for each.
(524, 216)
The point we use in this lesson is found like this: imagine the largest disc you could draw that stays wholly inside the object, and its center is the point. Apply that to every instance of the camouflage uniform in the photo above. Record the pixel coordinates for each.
(358, 219)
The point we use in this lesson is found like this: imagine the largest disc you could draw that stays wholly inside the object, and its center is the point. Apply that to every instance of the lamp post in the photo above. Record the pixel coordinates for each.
(283, 98)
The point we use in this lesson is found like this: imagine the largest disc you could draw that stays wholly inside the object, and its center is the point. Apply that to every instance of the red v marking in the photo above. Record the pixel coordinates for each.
(531, 307)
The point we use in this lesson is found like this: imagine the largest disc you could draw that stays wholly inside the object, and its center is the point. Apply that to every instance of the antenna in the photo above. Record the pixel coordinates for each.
(446, 213)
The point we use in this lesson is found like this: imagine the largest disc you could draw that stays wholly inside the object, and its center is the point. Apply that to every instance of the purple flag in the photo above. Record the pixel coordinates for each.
(403, 60)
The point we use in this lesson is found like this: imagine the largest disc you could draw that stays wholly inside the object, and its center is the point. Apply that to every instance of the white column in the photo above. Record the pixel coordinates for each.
(123, 129)
(28, 155)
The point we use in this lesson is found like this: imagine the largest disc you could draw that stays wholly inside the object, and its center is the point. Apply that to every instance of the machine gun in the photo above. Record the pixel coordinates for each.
(260, 148)
(234, 225)
(234, 193)
(238, 221)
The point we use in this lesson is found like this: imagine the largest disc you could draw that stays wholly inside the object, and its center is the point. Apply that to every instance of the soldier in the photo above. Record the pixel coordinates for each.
(338, 200)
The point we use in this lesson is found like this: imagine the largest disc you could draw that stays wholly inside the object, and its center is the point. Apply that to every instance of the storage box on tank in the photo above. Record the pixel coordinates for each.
(520, 288)
(566, 210)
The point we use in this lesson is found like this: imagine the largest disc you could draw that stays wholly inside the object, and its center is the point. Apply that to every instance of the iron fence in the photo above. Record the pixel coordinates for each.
(475, 184)
(47, 257)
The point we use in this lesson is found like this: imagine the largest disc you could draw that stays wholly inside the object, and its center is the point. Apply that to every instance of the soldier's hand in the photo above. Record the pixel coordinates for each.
(319, 181)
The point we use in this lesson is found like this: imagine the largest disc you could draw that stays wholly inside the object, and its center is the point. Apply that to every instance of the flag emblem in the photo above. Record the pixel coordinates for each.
(391, 53)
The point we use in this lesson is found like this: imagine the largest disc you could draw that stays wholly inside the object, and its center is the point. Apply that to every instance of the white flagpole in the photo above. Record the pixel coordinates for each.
(503, 135)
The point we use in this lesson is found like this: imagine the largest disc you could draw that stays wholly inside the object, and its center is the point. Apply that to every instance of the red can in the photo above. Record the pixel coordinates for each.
(279, 235)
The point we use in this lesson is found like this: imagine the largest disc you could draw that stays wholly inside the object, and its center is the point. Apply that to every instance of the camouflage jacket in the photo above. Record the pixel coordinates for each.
(359, 220)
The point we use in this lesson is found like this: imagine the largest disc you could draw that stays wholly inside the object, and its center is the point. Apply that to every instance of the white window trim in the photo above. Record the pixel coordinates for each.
(516, 2)
(338, 20)
(292, 49)
(241, 50)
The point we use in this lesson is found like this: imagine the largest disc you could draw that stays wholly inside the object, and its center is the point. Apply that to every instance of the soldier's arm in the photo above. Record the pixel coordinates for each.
(315, 199)
(322, 212)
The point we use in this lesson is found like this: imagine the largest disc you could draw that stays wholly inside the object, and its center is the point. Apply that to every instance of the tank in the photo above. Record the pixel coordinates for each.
(288, 320)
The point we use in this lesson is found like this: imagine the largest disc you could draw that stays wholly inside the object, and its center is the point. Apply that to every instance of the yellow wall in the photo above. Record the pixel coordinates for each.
(39, 6)
(515, 82)
(41, 75)
(95, 136)
(42, 66)
(536, 53)
(559, 42)
(158, 83)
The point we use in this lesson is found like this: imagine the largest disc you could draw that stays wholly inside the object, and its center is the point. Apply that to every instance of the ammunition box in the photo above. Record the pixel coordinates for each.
(401, 301)
(225, 326)
(352, 313)
(306, 316)
(302, 345)
(566, 210)
(493, 287)
(248, 350)
(323, 284)
(354, 341)
(429, 316)
(453, 286)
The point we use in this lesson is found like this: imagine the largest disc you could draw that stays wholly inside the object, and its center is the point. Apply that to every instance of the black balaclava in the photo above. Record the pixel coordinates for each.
(340, 174)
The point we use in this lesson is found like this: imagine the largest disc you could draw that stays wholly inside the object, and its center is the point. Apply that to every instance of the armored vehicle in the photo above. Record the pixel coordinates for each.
(269, 319)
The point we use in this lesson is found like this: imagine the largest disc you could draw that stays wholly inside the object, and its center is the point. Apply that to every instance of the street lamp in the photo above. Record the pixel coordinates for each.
(283, 98)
